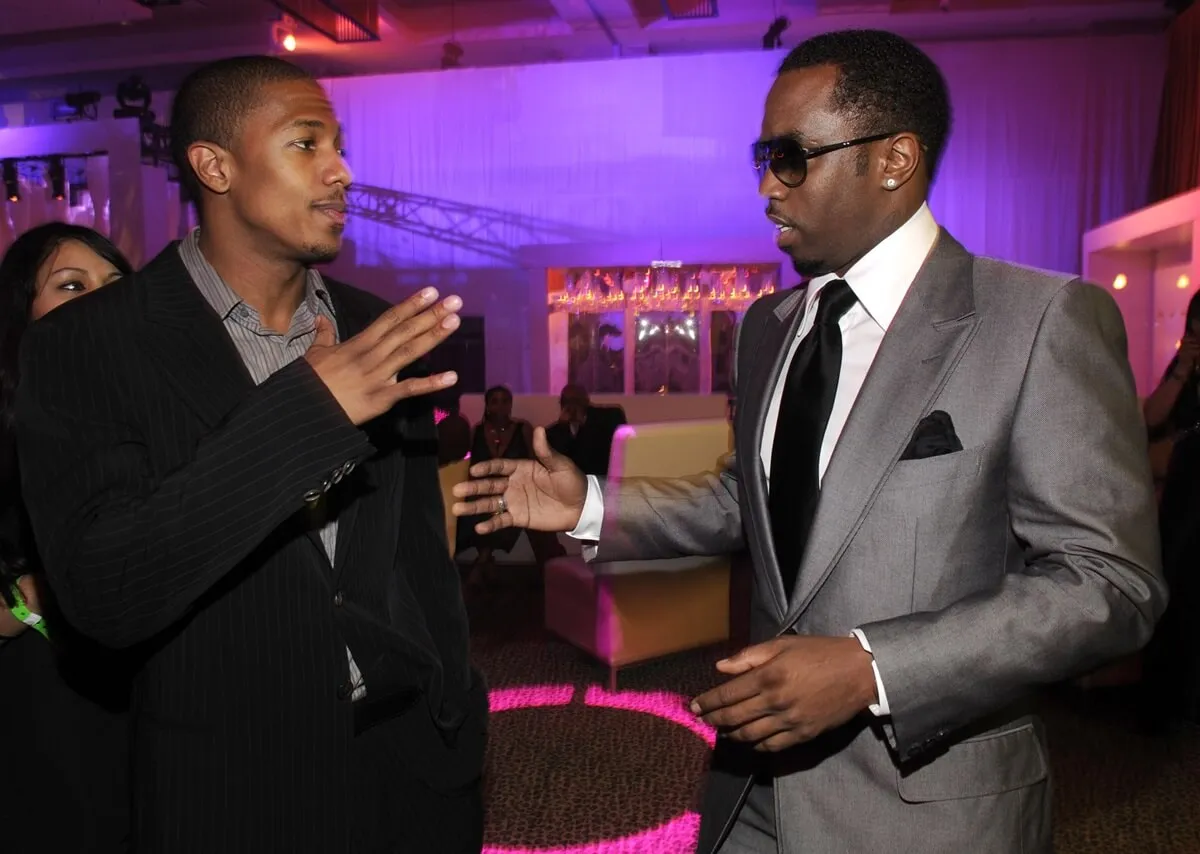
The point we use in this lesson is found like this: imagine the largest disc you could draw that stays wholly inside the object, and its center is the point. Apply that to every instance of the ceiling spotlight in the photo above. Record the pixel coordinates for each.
(76, 106)
(283, 33)
(773, 37)
(452, 52)
(134, 97)
(56, 172)
(12, 189)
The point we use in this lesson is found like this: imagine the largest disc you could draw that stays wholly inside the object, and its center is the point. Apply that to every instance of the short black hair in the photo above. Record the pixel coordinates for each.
(212, 101)
(497, 389)
(885, 84)
(572, 391)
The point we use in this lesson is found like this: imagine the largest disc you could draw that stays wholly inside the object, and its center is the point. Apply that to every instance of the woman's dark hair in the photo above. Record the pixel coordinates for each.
(497, 389)
(1193, 313)
(18, 288)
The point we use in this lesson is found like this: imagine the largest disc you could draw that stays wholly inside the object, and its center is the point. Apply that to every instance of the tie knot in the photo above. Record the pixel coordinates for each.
(835, 300)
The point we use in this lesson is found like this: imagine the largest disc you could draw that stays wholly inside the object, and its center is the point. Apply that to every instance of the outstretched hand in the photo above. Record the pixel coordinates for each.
(542, 494)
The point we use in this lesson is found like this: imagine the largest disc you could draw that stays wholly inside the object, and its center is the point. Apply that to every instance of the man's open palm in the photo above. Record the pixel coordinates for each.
(542, 494)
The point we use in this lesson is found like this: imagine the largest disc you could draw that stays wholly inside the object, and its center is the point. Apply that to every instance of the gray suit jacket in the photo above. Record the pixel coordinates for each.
(1024, 559)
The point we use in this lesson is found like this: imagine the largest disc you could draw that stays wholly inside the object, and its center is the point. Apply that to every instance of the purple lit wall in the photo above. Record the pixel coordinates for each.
(474, 180)
(464, 168)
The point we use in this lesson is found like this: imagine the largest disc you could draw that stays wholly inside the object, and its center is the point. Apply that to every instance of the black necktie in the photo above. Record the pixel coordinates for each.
(808, 393)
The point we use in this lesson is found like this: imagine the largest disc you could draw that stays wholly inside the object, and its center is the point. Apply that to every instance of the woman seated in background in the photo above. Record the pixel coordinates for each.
(1174, 407)
(1171, 661)
(498, 436)
(64, 699)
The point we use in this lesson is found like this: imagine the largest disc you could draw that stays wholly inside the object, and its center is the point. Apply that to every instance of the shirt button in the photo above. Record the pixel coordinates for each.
(312, 495)
(338, 599)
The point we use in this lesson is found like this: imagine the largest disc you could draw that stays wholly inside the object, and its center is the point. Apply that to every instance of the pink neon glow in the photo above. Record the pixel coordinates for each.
(664, 704)
(529, 697)
(439, 415)
(676, 836)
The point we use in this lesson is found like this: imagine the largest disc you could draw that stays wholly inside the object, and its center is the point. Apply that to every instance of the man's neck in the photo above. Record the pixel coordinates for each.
(888, 225)
(274, 289)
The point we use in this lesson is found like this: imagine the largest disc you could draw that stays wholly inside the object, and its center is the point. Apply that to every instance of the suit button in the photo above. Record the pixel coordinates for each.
(336, 477)
(345, 690)
(348, 467)
(312, 496)
(338, 599)
(325, 486)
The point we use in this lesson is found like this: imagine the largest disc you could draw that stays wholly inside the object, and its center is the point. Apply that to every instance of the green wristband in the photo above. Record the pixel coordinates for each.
(21, 611)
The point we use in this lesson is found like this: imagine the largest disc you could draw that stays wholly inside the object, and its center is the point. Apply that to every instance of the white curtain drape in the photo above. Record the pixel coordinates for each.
(37, 204)
(1051, 137)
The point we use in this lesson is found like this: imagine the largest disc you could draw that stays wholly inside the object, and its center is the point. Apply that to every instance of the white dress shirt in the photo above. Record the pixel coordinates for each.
(880, 280)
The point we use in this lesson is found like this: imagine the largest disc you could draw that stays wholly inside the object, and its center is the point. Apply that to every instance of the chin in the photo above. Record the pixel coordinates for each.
(320, 253)
(809, 268)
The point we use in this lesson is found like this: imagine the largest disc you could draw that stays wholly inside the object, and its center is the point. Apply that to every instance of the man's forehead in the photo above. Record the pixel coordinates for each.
(295, 99)
(798, 103)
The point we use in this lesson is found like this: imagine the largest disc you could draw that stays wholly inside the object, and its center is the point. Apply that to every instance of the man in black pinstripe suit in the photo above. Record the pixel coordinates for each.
(230, 464)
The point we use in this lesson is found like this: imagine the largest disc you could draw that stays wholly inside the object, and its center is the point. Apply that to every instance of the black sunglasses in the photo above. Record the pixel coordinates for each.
(788, 159)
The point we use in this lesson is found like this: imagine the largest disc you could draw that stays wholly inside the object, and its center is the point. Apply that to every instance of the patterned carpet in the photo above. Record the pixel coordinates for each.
(585, 773)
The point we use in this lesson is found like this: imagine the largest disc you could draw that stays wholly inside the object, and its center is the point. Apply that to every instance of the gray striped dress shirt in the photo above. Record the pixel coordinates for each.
(264, 351)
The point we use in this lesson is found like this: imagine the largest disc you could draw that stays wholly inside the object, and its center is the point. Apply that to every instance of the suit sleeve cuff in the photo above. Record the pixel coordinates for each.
(591, 520)
(880, 709)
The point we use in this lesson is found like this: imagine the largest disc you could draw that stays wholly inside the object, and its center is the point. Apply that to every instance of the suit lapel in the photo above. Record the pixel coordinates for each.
(933, 325)
(187, 341)
(771, 347)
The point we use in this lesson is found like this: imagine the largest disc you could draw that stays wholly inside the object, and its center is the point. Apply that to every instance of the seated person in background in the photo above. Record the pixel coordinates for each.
(453, 431)
(584, 433)
(500, 436)
(1174, 406)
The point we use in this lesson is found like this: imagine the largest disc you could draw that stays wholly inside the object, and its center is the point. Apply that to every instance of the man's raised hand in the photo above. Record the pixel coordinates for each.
(362, 371)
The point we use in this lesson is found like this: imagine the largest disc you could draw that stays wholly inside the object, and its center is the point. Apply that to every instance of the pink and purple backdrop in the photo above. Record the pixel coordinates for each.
(1051, 137)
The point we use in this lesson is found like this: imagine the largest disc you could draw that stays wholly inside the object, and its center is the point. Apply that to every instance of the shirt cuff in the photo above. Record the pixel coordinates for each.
(880, 709)
(591, 520)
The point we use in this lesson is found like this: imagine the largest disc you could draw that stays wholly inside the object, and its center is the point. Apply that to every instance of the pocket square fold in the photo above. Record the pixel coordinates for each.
(933, 437)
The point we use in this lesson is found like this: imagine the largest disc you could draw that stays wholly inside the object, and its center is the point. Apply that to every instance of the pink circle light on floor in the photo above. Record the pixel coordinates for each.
(674, 837)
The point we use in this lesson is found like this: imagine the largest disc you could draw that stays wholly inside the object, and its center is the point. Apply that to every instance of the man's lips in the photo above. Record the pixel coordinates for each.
(781, 224)
(334, 210)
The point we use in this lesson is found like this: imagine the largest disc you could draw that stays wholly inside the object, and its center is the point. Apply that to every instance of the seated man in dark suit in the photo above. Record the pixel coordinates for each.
(584, 433)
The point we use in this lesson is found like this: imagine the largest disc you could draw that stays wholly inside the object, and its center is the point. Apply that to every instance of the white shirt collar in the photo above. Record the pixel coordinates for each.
(882, 277)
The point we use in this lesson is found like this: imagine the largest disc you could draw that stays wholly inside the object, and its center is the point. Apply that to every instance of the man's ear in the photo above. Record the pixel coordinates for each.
(213, 166)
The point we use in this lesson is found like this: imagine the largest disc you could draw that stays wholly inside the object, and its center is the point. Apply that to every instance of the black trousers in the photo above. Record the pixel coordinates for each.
(399, 813)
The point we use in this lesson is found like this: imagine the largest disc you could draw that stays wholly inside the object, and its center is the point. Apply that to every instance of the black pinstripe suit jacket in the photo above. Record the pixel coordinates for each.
(167, 494)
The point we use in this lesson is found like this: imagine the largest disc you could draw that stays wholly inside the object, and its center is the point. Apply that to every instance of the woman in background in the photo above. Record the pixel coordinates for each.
(1174, 406)
(499, 435)
(1171, 661)
(63, 713)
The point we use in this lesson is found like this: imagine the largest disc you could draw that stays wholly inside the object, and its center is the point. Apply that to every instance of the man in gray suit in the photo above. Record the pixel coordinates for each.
(942, 476)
